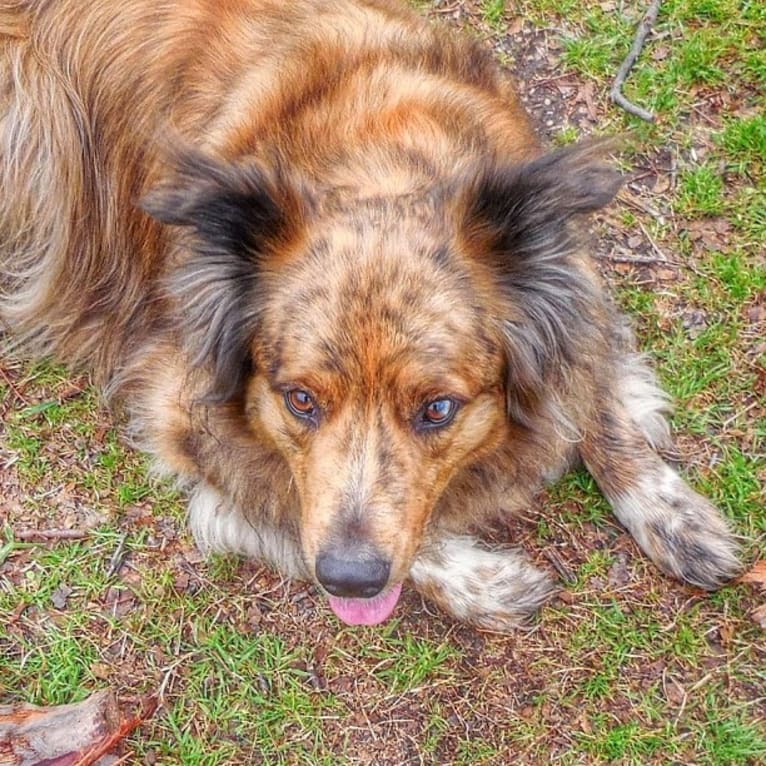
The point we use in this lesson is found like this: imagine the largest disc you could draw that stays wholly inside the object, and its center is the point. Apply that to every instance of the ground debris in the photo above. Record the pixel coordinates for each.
(757, 574)
(59, 735)
(644, 28)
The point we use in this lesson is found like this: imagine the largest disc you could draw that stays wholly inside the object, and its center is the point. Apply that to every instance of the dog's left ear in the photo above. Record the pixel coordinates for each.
(234, 215)
(522, 220)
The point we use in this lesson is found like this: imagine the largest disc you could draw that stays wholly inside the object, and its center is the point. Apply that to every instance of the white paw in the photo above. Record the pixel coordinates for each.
(681, 531)
(492, 589)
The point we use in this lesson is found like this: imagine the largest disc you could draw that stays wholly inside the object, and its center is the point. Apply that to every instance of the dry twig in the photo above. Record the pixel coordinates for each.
(36, 535)
(118, 557)
(14, 388)
(638, 43)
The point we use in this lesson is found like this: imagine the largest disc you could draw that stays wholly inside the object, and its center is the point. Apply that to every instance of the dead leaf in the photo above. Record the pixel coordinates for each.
(661, 184)
(586, 95)
(674, 692)
(756, 314)
(60, 596)
(695, 322)
(727, 634)
(101, 670)
(722, 225)
(120, 601)
(566, 597)
(665, 274)
(757, 574)
(181, 581)
(619, 574)
(758, 616)
(254, 616)
(661, 52)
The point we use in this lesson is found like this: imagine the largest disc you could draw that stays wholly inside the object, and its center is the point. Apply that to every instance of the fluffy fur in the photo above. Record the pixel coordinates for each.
(316, 252)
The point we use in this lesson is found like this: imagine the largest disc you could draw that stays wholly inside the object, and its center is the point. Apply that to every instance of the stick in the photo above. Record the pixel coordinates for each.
(125, 729)
(118, 557)
(14, 389)
(52, 534)
(39, 735)
(641, 260)
(638, 43)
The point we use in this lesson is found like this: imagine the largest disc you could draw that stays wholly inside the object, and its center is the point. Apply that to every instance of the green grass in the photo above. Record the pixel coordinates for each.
(231, 677)
(701, 193)
(493, 12)
(744, 143)
(700, 46)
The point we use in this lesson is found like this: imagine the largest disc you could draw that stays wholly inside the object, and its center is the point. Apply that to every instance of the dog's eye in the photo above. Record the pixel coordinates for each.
(300, 403)
(438, 413)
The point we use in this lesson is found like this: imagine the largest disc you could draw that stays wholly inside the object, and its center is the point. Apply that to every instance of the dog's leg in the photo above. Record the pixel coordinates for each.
(681, 531)
(219, 527)
(647, 405)
(492, 589)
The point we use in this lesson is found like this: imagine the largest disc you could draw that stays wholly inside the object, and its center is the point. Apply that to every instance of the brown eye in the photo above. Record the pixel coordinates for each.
(438, 413)
(300, 403)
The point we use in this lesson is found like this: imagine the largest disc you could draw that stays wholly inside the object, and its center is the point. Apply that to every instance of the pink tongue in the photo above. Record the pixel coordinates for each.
(366, 611)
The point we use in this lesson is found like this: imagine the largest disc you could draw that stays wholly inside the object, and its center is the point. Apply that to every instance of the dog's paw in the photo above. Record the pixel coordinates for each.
(681, 531)
(496, 590)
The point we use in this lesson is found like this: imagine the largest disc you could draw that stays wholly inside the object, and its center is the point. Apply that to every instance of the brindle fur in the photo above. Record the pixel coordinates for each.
(206, 202)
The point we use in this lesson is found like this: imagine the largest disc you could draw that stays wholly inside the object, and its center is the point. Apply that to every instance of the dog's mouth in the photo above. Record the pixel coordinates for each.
(366, 611)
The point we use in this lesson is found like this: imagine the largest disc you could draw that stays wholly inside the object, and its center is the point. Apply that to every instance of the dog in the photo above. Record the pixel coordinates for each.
(318, 256)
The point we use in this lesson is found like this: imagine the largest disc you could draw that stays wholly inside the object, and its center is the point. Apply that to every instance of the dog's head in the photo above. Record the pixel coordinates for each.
(383, 344)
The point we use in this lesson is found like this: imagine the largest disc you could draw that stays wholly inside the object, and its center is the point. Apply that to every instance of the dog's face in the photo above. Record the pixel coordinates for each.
(378, 374)
(381, 344)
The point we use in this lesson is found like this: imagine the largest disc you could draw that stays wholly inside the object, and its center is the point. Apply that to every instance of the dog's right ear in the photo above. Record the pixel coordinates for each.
(234, 208)
(234, 215)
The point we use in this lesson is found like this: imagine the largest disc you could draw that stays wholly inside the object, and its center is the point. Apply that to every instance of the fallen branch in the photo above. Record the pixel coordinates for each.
(83, 734)
(31, 735)
(622, 73)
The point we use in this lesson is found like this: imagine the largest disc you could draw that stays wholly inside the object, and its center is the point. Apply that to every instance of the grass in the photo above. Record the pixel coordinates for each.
(627, 667)
(744, 143)
(701, 193)
(493, 12)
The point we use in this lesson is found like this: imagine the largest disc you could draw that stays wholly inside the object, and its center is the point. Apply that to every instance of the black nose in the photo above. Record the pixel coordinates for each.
(352, 577)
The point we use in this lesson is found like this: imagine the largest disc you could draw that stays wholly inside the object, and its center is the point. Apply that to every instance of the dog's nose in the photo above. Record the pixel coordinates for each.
(352, 577)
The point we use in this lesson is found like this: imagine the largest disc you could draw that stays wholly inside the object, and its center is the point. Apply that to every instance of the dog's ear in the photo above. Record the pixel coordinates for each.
(522, 220)
(234, 215)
